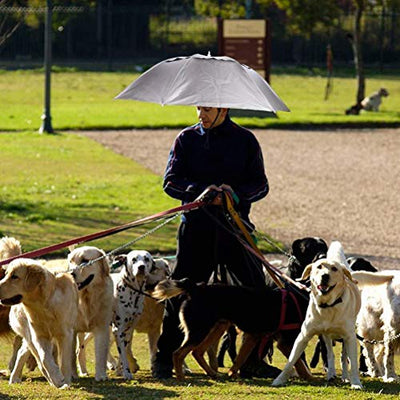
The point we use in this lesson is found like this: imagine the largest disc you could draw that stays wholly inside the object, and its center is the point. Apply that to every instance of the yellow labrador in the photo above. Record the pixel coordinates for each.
(44, 313)
(332, 311)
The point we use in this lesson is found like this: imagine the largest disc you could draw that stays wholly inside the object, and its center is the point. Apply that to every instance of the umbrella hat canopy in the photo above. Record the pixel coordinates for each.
(200, 80)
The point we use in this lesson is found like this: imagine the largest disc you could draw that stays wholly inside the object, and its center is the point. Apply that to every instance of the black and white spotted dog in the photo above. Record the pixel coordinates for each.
(129, 286)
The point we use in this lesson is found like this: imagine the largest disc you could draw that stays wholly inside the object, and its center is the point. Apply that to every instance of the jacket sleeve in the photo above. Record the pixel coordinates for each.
(176, 184)
(255, 185)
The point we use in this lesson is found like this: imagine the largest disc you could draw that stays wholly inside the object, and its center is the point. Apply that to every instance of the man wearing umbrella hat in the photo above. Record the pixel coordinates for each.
(215, 154)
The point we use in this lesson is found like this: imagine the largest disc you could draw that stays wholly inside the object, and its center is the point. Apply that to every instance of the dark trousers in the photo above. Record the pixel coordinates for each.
(203, 244)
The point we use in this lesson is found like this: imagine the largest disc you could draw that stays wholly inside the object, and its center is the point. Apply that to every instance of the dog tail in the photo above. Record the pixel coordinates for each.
(365, 278)
(336, 253)
(9, 247)
(169, 288)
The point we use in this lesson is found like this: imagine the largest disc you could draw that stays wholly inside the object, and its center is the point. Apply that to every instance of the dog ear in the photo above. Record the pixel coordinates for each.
(306, 273)
(105, 267)
(34, 276)
(348, 275)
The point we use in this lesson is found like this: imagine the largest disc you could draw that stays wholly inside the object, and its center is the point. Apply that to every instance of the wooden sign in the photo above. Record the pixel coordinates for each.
(247, 41)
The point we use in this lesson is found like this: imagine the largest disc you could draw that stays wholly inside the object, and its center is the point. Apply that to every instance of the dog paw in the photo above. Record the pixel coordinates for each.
(390, 379)
(356, 386)
(278, 382)
(65, 386)
(100, 377)
(128, 376)
(135, 369)
(232, 374)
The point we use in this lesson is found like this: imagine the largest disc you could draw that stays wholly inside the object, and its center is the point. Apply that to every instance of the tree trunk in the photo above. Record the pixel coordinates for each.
(358, 60)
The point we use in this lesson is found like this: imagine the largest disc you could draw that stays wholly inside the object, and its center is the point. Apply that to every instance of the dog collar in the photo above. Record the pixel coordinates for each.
(326, 305)
(85, 282)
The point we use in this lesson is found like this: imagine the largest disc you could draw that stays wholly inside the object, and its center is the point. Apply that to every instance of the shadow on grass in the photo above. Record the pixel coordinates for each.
(121, 390)
(370, 385)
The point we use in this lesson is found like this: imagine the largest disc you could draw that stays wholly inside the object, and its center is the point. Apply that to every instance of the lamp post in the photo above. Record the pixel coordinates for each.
(46, 117)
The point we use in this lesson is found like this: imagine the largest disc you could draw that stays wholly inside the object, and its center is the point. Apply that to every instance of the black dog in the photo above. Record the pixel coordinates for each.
(208, 310)
(360, 264)
(303, 252)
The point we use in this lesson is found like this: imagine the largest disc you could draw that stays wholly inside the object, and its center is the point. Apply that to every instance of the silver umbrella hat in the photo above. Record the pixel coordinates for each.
(200, 80)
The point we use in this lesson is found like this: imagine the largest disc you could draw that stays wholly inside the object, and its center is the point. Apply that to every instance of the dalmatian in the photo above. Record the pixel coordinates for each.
(129, 286)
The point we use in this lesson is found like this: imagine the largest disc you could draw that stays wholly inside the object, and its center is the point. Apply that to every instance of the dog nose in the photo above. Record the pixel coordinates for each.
(325, 279)
(141, 268)
(73, 273)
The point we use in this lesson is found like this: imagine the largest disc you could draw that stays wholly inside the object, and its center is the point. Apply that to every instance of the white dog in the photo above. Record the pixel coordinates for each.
(379, 320)
(372, 103)
(334, 303)
(91, 272)
(129, 286)
(44, 312)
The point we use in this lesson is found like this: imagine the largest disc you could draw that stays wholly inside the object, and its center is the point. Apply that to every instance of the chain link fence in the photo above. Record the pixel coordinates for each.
(111, 37)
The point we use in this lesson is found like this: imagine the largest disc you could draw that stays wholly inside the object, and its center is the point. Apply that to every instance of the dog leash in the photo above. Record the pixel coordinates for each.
(250, 242)
(373, 341)
(101, 234)
(283, 326)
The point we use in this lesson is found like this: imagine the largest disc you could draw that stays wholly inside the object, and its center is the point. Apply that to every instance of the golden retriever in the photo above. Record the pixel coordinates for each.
(91, 272)
(149, 321)
(9, 247)
(44, 313)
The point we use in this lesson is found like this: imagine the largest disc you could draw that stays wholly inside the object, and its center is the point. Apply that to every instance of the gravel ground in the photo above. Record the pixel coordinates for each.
(337, 184)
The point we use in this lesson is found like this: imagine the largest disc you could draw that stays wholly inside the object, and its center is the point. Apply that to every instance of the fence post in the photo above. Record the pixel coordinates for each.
(46, 116)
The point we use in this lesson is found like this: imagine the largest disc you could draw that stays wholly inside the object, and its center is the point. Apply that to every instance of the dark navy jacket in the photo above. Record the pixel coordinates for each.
(226, 154)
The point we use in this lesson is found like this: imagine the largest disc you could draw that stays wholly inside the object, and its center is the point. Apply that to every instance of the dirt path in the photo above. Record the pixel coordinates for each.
(339, 185)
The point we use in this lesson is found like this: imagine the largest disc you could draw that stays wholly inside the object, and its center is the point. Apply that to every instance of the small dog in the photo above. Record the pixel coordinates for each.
(91, 271)
(372, 103)
(44, 311)
(208, 310)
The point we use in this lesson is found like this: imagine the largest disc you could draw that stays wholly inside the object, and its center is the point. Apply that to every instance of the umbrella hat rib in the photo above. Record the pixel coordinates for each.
(176, 77)
(264, 88)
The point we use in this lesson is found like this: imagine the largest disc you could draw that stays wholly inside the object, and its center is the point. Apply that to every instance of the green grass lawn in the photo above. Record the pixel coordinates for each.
(196, 386)
(58, 187)
(85, 100)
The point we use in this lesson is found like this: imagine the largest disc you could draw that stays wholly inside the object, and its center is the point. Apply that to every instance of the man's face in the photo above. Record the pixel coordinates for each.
(211, 116)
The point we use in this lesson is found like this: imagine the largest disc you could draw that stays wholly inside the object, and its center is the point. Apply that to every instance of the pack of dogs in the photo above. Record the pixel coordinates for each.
(54, 315)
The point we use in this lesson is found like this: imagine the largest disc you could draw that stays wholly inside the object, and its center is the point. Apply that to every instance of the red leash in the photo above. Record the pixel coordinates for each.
(107, 232)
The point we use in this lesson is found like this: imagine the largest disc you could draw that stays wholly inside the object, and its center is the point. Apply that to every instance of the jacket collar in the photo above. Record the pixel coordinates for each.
(220, 129)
